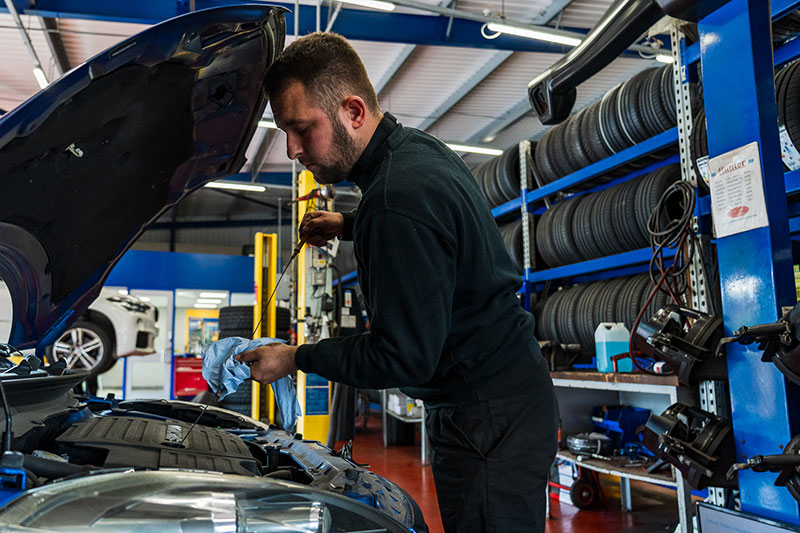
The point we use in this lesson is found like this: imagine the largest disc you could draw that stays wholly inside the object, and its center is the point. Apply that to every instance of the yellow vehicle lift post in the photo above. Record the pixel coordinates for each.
(313, 391)
(266, 266)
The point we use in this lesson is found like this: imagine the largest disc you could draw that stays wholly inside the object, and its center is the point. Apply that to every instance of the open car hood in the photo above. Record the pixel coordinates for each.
(89, 162)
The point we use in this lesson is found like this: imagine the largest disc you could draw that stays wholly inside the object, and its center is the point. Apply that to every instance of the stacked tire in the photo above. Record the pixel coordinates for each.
(237, 321)
(512, 238)
(499, 177)
(787, 93)
(571, 316)
(786, 28)
(612, 221)
(628, 114)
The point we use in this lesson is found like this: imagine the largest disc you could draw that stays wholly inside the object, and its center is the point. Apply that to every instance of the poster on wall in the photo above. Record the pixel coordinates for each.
(737, 191)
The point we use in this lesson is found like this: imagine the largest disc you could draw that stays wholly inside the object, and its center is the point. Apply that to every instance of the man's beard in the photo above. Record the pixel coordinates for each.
(348, 153)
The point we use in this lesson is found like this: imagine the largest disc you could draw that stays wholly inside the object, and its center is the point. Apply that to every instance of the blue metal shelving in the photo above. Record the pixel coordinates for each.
(755, 267)
(625, 259)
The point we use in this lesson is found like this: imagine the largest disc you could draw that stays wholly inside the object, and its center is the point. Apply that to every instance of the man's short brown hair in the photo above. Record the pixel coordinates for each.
(328, 68)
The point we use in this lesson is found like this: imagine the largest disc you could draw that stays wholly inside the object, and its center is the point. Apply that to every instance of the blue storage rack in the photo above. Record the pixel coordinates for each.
(756, 277)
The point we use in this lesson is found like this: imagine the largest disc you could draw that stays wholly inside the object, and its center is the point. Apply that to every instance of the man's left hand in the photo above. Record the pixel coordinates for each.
(270, 363)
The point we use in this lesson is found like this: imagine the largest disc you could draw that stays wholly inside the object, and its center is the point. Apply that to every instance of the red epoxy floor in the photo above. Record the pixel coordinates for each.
(655, 508)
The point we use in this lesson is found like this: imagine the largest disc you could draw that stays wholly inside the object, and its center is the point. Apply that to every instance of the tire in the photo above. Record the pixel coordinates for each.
(236, 317)
(630, 106)
(544, 238)
(611, 121)
(665, 115)
(585, 312)
(698, 146)
(583, 493)
(563, 231)
(508, 179)
(590, 134)
(543, 163)
(567, 316)
(786, 28)
(791, 108)
(244, 333)
(575, 139)
(582, 229)
(242, 395)
(86, 346)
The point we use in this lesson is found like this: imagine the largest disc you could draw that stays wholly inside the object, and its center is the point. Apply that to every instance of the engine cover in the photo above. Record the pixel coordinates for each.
(126, 441)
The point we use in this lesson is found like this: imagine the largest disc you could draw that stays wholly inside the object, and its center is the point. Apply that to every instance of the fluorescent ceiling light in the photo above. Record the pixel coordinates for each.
(267, 124)
(664, 58)
(123, 292)
(530, 33)
(474, 149)
(213, 295)
(235, 186)
(374, 4)
(208, 301)
(205, 306)
(41, 79)
(144, 298)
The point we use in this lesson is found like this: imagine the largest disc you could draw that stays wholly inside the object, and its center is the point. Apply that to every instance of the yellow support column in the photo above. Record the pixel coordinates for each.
(266, 257)
(313, 391)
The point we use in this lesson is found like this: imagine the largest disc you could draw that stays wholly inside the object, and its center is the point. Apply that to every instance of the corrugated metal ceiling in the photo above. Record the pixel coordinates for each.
(420, 86)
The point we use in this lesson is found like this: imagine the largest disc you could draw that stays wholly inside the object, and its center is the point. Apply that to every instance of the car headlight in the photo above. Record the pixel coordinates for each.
(179, 501)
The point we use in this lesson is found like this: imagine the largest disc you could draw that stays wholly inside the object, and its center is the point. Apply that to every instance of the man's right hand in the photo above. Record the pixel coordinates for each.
(318, 227)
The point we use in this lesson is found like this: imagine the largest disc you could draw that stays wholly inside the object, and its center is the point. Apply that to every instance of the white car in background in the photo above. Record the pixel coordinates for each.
(113, 326)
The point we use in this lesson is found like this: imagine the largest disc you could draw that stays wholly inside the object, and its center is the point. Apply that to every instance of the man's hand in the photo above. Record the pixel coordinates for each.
(318, 227)
(269, 363)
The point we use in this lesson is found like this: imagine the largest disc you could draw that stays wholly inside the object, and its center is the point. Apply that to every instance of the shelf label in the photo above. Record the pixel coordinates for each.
(737, 191)
(789, 153)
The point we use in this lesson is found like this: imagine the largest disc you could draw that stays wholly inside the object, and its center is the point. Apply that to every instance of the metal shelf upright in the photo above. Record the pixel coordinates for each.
(755, 266)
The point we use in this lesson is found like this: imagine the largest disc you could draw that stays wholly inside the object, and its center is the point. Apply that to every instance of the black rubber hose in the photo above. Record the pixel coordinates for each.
(51, 469)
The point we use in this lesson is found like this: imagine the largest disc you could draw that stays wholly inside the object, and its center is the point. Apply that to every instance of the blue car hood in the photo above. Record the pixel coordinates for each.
(89, 162)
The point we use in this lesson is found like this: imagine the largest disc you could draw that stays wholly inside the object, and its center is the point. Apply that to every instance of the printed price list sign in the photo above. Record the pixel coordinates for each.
(737, 191)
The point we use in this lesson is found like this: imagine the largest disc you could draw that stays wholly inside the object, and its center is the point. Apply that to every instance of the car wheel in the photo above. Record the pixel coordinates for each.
(85, 346)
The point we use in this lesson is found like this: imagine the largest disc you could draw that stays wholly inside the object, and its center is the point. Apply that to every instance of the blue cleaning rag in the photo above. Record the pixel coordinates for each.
(224, 374)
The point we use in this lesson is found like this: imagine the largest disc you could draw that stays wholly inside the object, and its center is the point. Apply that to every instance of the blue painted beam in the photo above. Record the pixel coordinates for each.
(755, 266)
(791, 181)
(355, 24)
(351, 278)
(617, 261)
(662, 140)
(784, 54)
(787, 52)
(222, 223)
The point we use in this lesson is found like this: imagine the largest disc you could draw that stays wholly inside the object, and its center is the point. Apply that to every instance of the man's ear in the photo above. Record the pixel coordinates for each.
(355, 111)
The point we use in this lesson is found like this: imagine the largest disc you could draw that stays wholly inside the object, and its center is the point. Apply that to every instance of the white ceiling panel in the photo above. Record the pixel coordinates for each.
(17, 82)
(84, 39)
(583, 13)
(427, 79)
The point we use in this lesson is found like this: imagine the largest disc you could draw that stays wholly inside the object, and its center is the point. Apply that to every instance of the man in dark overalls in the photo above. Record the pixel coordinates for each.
(446, 325)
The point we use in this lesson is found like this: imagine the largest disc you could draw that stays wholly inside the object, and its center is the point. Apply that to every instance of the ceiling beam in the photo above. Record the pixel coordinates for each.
(352, 23)
(56, 44)
(478, 76)
(552, 11)
(221, 223)
(490, 130)
(394, 67)
(264, 149)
